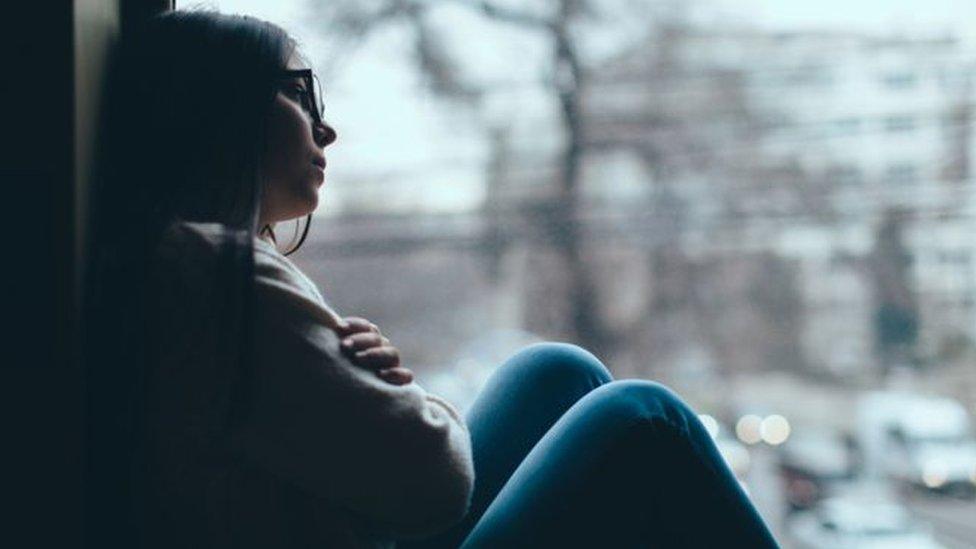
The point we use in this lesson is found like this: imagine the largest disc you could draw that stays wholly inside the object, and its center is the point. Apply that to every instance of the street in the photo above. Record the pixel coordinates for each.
(953, 520)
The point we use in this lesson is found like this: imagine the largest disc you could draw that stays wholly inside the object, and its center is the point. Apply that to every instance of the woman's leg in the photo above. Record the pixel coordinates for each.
(629, 465)
(523, 398)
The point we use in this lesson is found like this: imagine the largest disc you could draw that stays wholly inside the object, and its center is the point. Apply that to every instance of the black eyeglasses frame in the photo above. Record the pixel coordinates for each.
(314, 90)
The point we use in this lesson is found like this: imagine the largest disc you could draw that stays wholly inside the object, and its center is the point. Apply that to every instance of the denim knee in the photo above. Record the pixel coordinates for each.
(551, 362)
(642, 401)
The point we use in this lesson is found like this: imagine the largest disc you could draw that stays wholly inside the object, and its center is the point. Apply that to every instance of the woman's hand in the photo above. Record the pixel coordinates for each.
(362, 342)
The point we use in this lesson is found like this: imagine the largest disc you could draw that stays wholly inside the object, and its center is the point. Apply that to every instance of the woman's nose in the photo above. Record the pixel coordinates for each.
(324, 134)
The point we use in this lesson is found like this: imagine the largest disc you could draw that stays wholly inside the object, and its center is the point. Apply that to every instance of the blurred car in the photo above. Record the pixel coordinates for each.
(920, 441)
(811, 463)
(859, 521)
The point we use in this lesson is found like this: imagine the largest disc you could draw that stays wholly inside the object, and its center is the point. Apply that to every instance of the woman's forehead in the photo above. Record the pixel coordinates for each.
(295, 62)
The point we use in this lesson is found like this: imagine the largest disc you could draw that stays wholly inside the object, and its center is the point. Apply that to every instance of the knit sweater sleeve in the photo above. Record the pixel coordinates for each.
(394, 454)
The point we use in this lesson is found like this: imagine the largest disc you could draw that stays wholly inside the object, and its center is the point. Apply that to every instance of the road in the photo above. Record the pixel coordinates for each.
(953, 520)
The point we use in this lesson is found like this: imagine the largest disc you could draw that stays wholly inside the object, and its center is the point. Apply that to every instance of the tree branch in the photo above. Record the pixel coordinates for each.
(506, 15)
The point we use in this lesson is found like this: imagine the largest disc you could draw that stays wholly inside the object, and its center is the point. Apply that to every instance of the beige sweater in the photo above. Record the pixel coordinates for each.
(329, 454)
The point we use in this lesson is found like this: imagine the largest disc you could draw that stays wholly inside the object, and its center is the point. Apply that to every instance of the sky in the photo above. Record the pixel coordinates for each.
(391, 129)
(893, 15)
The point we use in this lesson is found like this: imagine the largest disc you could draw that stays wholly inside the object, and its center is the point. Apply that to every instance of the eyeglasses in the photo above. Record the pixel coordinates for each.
(309, 96)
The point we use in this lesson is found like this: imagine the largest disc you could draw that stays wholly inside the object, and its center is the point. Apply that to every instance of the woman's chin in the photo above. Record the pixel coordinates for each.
(308, 206)
(313, 201)
(310, 198)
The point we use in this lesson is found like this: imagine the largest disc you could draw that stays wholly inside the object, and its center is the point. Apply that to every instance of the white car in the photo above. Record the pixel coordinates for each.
(918, 440)
(859, 523)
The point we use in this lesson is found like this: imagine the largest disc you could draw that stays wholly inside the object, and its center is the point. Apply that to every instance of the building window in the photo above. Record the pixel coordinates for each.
(901, 173)
(954, 258)
(848, 126)
(810, 76)
(844, 174)
(900, 80)
(899, 124)
(954, 121)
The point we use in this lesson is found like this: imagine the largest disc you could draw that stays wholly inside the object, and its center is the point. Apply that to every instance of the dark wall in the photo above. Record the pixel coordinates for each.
(41, 403)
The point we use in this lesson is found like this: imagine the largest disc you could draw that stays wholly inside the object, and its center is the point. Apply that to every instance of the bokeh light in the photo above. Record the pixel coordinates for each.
(934, 475)
(774, 429)
(748, 429)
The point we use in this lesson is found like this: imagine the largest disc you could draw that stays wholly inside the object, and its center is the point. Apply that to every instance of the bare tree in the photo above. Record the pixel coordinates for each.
(558, 22)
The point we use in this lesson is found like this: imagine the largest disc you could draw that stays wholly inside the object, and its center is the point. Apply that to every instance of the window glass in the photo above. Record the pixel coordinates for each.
(749, 182)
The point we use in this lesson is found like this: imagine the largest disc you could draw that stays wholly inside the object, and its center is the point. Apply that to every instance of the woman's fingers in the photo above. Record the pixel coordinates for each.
(363, 341)
(355, 324)
(378, 358)
(396, 376)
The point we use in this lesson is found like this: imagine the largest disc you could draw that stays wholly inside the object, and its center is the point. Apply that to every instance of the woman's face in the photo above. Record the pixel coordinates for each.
(294, 167)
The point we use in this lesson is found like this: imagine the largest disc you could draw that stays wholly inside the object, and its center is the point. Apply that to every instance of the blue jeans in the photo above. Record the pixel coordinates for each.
(565, 456)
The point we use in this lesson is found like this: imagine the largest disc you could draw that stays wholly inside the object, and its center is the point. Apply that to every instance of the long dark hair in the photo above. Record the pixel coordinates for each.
(182, 138)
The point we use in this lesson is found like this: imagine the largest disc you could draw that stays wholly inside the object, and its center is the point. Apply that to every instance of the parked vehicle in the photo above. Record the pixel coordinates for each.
(859, 522)
(811, 463)
(921, 441)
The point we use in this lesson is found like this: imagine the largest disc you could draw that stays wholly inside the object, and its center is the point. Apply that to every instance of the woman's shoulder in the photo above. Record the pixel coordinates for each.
(270, 264)
(198, 236)
(195, 250)
(190, 254)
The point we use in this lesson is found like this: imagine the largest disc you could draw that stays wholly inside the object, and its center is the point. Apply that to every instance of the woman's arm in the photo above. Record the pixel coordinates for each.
(392, 453)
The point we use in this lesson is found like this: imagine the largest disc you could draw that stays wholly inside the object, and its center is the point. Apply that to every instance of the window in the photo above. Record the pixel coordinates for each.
(955, 258)
(953, 121)
(844, 174)
(848, 125)
(900, 80)
(809, 76)
(899, 124)
(901, 173)
(761, 253)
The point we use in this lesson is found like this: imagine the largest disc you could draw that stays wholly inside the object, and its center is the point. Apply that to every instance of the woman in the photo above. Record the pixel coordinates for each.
(229, 406)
